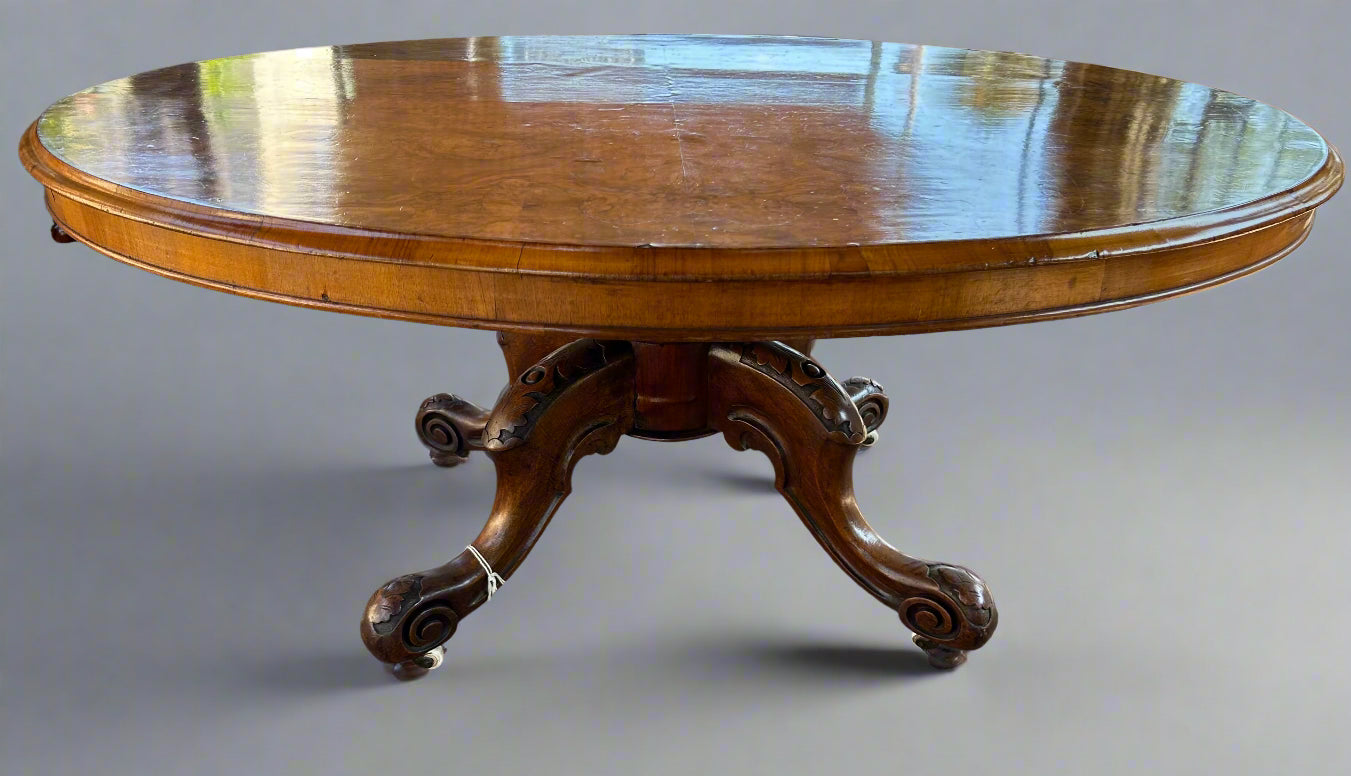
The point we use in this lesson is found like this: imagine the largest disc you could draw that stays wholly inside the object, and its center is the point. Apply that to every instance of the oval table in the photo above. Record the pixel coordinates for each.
(659, 226)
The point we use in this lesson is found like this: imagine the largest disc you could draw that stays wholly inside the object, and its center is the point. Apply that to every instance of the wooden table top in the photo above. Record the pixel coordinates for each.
(680, 187)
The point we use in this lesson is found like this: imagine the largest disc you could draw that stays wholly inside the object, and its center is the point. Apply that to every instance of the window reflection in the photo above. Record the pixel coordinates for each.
(910, 142)
(254, 130)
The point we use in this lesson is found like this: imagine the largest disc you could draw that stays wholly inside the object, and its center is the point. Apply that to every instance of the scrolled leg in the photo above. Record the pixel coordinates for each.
(449, 427)
(774, 399)
(576, 401)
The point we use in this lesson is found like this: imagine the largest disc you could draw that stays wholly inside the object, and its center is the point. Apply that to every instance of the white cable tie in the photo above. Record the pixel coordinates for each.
(495, 580)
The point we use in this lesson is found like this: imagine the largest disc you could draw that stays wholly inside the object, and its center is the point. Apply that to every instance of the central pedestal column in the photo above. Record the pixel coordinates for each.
(569, 398)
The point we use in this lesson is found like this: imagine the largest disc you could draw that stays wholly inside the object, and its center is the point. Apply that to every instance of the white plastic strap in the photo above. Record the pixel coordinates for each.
(495, 580)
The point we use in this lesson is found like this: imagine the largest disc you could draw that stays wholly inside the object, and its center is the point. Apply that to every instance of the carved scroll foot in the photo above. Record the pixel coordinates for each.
(449, 427)
(576, 401)
(872, 403)
(776, 400)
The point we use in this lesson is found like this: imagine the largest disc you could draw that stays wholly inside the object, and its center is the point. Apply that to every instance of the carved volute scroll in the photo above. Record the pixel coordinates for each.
(870, 398)
(450, 427)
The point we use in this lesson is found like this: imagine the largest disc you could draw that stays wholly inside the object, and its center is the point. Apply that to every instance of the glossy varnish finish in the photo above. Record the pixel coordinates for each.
(673, 188)
(700, 208)
(584, 396)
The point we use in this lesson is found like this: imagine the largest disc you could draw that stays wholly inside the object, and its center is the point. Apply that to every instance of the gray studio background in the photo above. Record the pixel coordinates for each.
(198, 492)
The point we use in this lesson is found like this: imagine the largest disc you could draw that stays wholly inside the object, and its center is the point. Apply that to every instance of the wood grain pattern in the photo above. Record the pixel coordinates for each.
(450, 428)
(414, 614)
(680, 188)
(658, 227)
(581, 397)
(670, 390)
(768, 397)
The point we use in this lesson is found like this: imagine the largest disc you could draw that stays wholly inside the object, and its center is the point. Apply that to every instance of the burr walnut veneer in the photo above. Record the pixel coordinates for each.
(659, 226)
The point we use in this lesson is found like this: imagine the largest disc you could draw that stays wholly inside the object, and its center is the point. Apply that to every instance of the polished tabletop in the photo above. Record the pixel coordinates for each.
(688, 141)
(750, 157)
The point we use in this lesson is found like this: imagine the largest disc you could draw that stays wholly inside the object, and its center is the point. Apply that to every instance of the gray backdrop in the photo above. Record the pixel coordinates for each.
(200, 491)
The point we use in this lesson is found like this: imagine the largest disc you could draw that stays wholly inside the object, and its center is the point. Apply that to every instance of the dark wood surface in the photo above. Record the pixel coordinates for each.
(573, 402)
(768, 397)
(680, 188)
(584, 396)
(707, 204)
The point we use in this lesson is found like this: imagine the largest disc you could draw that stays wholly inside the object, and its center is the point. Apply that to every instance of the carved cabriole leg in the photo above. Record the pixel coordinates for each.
(774, 399)
(577, 400)
(450, 427)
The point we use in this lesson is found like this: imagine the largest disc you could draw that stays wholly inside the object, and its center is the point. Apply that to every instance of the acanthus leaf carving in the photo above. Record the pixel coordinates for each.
(390, 601)
(810, 383)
